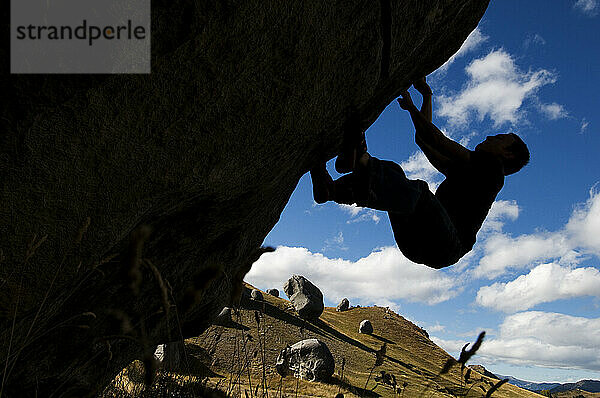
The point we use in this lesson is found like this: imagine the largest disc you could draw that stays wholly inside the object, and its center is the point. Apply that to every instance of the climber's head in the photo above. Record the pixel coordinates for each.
(510, 148)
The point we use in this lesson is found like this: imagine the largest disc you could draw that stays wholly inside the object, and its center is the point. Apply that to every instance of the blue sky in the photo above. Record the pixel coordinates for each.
(532, 280)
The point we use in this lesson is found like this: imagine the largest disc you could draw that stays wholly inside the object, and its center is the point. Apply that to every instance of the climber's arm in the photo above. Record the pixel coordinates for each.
(437, 160)
(426, 108)
(441, 151)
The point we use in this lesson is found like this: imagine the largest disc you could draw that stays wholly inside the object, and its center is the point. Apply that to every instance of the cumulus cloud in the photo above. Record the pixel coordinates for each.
(584, 224)
(418, 167)
(359, 214)
(587, 7)
(545, 283)
(382, 278)
(580, 236)
(542, 339)
(553, 111)
(496, 89)
(500, 211)
(452, 347)
(502, 252)
(547, 339)
(471, 43)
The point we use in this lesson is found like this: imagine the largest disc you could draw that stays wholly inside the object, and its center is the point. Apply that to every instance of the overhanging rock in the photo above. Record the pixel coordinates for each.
(128, 198)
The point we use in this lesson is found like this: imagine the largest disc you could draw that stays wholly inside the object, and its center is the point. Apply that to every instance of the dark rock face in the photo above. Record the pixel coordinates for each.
(273, 292)
(365, 327)
(113, 185)
(256, 295)
(343, 305)
(308, 359)
(306, 298)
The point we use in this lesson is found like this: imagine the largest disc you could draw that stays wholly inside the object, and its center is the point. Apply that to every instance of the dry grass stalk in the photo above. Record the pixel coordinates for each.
(379, 357)
(82, 230)
(465, 354)
(495, 387)
(136, 244)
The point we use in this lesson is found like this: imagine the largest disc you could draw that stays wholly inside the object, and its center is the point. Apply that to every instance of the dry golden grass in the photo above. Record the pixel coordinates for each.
(410, 355)
(576, 394)
(240, 360)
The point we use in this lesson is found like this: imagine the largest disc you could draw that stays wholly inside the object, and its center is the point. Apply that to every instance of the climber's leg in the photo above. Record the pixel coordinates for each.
(388, 187)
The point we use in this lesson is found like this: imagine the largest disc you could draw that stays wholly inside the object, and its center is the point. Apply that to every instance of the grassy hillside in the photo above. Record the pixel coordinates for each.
(240, 359)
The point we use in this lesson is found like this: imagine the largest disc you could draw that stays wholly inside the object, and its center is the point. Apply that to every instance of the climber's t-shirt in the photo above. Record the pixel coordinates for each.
(468, 193)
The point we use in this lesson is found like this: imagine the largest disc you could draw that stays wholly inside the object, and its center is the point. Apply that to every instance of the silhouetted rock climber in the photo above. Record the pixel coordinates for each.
(436, 230)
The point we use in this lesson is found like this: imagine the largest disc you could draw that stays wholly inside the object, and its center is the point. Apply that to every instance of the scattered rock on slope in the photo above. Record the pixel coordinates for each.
(343, 305)
(224, 317)
(365, 327)
(306, 297)
(273, 292)
(308, 359)
(256, 295)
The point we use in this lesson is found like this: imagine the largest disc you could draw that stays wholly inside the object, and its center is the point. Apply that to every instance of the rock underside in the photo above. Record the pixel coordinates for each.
(133, 205)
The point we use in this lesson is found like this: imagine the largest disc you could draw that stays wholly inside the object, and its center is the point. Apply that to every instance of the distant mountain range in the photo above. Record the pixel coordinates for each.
(529, 385)
(585, 385)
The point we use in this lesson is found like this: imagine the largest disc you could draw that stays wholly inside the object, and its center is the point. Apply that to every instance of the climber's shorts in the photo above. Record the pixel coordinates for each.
(422, 228)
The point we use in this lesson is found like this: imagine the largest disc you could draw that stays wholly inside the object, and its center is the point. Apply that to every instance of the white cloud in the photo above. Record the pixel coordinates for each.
(381, 278)
(335, 242)
(435, 328)
(452, 347)
(587, 7)
(545, 283)
(584, 125)
(496, 89)
(359, 214)
(547, 339)
(500, 211)
(502, 252)
(584, 224)
(541, 339)
(553, 111)
(471, 43)
(418, 167)
(580, 236)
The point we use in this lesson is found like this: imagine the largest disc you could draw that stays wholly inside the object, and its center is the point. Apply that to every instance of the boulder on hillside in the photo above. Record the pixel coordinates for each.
(365, 327)
(256, 295)
(343, 305)
(273, 292)
(308, 359)
(306, 298)
(224, 317)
